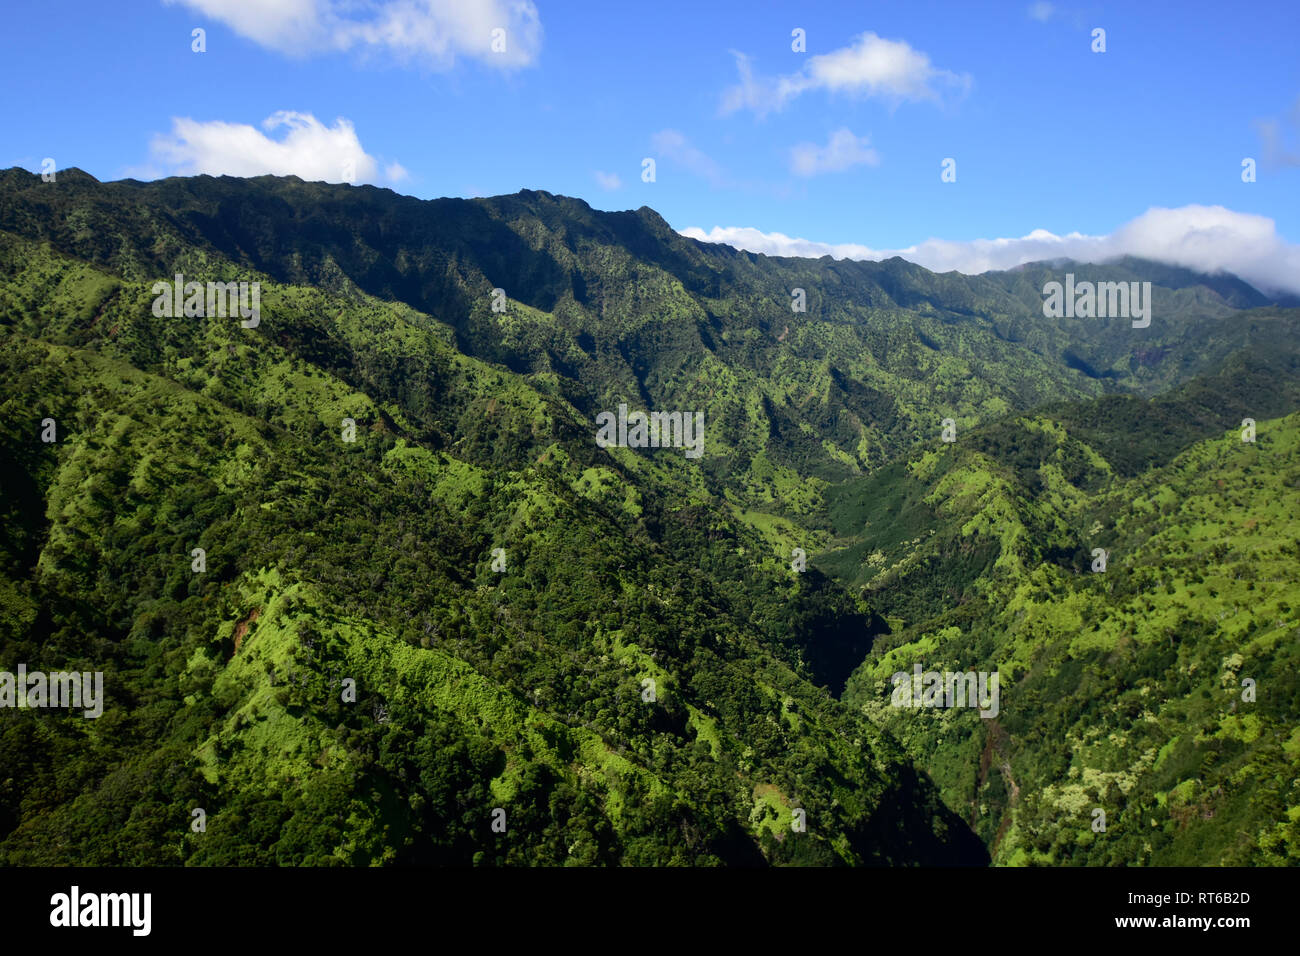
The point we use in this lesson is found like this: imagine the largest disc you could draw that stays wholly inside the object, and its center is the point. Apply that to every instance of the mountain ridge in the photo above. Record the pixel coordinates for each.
(1186, 276)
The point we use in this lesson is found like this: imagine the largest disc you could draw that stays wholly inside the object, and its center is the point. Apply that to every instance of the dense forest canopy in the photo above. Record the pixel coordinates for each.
(365, 588)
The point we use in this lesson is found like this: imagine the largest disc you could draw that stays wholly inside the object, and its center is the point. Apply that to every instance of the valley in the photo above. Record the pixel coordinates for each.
(499, 584)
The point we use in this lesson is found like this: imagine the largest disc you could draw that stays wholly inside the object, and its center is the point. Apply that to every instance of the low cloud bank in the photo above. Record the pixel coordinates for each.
(1208, 239)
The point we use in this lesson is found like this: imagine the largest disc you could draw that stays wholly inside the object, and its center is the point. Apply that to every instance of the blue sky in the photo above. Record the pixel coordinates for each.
(840, 145)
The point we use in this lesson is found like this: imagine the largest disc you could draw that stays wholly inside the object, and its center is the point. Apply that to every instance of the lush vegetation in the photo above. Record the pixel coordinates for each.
(639, 676)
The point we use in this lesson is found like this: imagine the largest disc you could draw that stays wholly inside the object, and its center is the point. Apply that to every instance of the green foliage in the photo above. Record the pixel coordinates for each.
(372, 561)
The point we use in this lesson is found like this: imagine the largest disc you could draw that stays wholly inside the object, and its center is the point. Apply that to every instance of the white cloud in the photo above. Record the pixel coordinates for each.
(1272, 134)
(308, 149)
(842, 151)
(431, 32)
(778, 243)
(672, 145)
(752, 93)
(1205, 238)
(871, 66)
(608, 180)
(1042, 12)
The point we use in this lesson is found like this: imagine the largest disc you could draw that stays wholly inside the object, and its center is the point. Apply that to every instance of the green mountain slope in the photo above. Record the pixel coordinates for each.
(1121, 690)
(523, 690)
(640, 674)
(618, 307)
